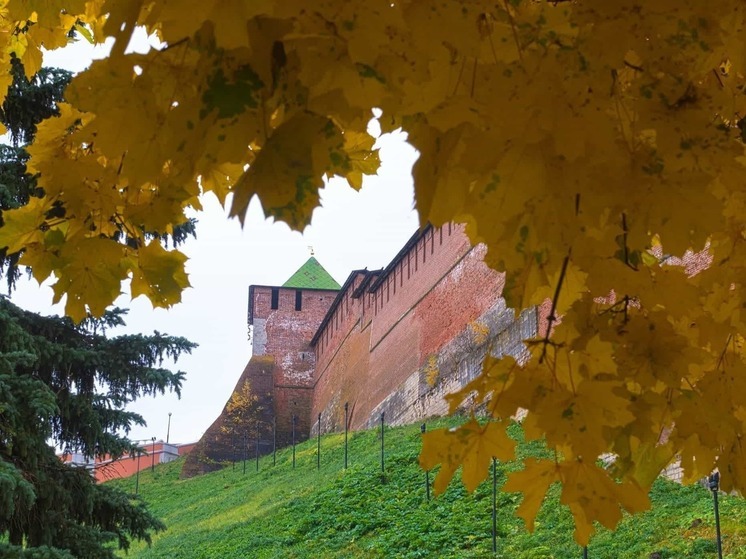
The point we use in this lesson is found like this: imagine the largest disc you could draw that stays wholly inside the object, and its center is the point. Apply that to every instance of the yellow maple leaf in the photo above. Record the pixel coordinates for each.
(581, 418)
(496, 375)
(157, 208)
(159, 275)
(45, 13)
(51, 138)
(647, 460)
(594, 497)
(533, 482)
(22, 227)
(359, 158)
(286, 173)
(472, 446)
(90, 274)
(221, 178)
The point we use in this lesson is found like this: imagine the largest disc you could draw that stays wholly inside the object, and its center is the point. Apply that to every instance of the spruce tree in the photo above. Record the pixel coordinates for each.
(64, 387)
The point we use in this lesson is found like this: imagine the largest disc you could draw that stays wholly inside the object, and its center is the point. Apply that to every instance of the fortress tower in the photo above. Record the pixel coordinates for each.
(278, 381)
(283, 321)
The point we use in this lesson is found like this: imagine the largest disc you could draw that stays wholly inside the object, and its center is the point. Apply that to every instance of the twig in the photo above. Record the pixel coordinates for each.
(473, 78)
(552, 318)
(121, 163)
(636, 68)
(174, 45)
(721, 359)
(458, 78)
(720, 80)
(625, 231)
(515, 31)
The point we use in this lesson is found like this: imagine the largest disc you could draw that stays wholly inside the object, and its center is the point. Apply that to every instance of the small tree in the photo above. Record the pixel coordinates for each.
(242, 413)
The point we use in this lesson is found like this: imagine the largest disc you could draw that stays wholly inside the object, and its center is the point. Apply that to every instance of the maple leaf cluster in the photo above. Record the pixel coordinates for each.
(588, 144)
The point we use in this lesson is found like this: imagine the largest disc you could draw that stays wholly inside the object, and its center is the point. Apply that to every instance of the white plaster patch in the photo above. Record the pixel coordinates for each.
(288, 366)
(259, 337)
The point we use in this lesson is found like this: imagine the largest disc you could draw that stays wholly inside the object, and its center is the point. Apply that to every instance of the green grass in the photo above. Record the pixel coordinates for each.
(281, 512)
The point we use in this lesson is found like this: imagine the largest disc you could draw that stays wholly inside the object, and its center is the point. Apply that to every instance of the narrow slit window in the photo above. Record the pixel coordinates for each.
(275, 298)
(298, 300)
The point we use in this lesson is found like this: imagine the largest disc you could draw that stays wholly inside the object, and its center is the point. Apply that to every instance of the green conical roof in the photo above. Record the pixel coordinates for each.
(312, 275)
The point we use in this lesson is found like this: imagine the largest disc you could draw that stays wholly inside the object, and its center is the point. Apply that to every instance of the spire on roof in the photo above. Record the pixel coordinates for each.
(312, 275)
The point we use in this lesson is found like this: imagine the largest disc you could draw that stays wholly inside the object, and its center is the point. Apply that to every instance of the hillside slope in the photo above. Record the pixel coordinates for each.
(281, 512)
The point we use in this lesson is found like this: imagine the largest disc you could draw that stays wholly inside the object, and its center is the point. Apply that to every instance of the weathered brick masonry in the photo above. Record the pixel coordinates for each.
(285, 333)
(395, 340)
(416, 333)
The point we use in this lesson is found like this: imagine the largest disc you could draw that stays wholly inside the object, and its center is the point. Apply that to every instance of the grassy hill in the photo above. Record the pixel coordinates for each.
(281, 512)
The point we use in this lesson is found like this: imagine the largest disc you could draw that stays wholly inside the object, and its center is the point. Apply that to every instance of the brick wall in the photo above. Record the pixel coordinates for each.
(104, 468)
(420, 334)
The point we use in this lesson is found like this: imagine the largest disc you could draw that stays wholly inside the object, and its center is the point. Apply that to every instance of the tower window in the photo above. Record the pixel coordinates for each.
(298, 300)
(275, 298)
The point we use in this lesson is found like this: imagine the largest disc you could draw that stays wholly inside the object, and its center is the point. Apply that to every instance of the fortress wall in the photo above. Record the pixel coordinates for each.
(343, 341)
(417, 337)
(344, 318)
(415, 275)
(341, 380)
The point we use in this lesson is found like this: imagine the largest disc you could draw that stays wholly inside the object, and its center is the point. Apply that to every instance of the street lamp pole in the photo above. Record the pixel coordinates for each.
(152, 459)
(168, 431)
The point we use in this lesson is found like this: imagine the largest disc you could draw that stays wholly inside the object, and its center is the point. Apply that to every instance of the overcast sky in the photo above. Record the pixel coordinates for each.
(351, 230)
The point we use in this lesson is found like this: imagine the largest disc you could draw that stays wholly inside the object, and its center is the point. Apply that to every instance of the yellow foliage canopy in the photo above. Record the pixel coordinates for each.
(578, 140)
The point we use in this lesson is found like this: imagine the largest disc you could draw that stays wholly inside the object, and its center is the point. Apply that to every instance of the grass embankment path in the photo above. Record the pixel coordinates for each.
(281, 512)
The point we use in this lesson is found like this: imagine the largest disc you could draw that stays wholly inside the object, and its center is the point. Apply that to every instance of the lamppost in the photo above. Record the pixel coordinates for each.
(168, 431)
(152, 459)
